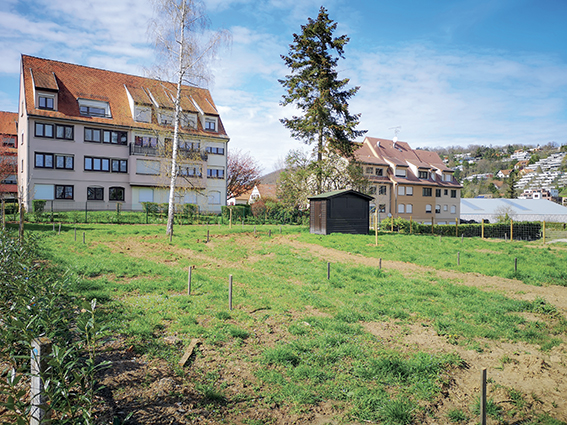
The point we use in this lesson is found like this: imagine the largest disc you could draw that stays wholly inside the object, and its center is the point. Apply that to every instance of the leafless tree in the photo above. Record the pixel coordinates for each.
(181, 37)
(243, 173)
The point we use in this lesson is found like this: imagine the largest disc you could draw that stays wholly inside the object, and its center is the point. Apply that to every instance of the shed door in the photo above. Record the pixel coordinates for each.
(316, 217)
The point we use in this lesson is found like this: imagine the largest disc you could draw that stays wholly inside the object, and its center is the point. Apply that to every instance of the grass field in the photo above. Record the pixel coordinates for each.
(300, 347)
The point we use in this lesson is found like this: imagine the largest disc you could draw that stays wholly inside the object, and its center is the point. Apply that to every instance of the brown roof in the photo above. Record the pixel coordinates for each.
(8, 122)
(267, 190)
(81, 82)
(400, 154)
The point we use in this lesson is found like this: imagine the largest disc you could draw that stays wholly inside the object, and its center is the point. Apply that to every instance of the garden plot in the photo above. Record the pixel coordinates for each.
(301, 348)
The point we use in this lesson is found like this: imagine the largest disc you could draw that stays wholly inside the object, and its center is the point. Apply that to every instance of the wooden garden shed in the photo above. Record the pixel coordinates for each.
(341, 211)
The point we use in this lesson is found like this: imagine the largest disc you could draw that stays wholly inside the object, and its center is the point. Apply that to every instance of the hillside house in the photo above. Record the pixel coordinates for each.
(409, 182)
(91, 138)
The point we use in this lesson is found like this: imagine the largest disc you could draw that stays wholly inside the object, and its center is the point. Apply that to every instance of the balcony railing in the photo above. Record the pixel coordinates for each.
(143, 150)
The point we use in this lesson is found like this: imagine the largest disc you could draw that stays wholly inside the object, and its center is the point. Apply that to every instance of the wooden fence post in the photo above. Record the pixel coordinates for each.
(41, 349)
(457, 227)
(410, 225)
(83, 237)
(544, 232)
(189, 281)
(482, 229)
(230, 292)
(328, 271)
(511, 230)
(483, 397)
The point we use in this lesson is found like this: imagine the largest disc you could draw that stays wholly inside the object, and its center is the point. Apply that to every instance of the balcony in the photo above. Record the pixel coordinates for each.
(143, 150)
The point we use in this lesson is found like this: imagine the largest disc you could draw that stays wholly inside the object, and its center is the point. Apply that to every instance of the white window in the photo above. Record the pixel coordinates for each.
(142, 114)
(409, 208)
(428, 208)
(44, 191)
(369, 170)
(215, 173)
(145, 195)
(210, 124)
(214, 198)
(46, 101)
(409, 191)
(437, 209)
(445, 208)
(94, 108)
(453, 209)
(401, 208)
(189, 120)
(166, 118)
(400, 172)
(143, 166)
(401, 190)
(448, 177)
(379, 172)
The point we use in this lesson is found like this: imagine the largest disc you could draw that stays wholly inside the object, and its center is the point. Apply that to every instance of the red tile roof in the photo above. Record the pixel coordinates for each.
(399, 154)
(8, 122)
(81, 82)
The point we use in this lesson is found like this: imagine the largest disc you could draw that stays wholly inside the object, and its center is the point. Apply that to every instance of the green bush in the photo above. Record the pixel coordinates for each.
(38, 206)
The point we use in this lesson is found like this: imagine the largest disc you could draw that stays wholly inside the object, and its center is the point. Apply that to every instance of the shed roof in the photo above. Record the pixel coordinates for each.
(336, 193)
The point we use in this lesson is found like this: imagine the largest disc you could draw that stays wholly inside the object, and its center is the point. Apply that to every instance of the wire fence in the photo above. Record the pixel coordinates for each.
(510, 230)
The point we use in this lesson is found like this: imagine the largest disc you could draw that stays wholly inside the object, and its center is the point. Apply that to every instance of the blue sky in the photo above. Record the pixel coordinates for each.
(449, 73)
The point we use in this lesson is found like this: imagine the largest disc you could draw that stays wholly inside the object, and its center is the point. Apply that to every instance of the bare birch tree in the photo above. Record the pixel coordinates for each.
(184, 44)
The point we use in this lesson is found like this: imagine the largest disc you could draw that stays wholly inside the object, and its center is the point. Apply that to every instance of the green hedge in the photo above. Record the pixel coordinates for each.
(525, 230)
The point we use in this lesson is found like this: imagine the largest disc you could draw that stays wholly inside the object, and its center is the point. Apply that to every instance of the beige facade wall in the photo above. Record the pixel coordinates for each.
(35, 178)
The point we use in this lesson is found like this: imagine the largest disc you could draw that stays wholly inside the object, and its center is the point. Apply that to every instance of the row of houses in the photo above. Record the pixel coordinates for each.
(92, 138)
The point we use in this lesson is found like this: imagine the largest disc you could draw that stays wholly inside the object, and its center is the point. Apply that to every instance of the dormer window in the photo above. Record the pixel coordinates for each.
(166, 118)
(46, 102)
(424, 174)
(400, 172)
(94, 108)
(210, 124)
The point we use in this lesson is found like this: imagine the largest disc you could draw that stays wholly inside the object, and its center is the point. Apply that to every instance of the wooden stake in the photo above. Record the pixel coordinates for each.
(328, 271)
(458, 258)
(457, 227)
(380, 264)
(189, 281)
(270, 233)
(207, 235)
(482, 229)
(230, 292)
(376, 224)
(511, 230)
(410, 225)
(254, 230)
(483, 397)
(189, 351)
(544, 232)
(83, 237)
(516, 265)
(59, 232)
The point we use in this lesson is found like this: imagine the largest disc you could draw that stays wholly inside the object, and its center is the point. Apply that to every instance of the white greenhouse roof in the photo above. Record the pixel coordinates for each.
(518, 209)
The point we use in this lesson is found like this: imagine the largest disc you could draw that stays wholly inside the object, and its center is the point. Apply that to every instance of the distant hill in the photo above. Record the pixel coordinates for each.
(271, 178)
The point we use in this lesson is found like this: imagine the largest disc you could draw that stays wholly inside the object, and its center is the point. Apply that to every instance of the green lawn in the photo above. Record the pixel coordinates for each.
(140, 279)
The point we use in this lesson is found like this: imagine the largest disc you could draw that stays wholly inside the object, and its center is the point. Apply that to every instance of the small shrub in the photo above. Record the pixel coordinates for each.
(457, 415)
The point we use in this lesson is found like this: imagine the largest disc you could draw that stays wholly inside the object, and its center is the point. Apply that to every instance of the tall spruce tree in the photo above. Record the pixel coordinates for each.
(314, 87)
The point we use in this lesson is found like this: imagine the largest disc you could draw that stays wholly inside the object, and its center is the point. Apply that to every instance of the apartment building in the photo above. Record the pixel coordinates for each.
(8, 155)
(409, 183)
(91, 138)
